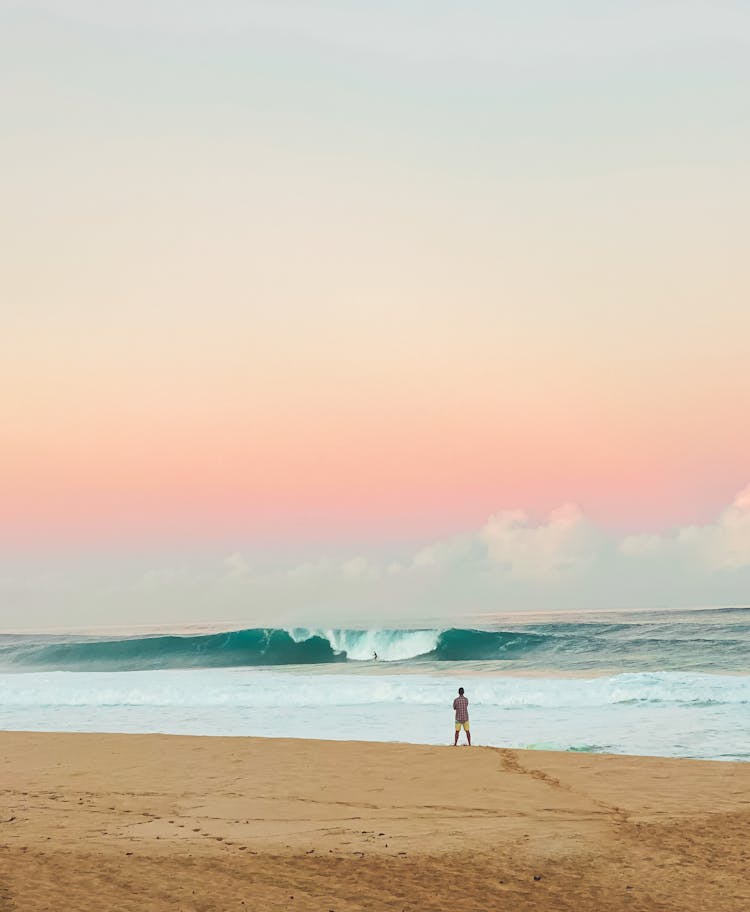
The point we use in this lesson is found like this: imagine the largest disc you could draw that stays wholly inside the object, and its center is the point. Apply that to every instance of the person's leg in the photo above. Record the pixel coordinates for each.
(458, 731)
(468, 733)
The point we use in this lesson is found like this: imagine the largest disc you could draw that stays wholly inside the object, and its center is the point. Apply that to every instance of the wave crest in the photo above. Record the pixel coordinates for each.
(268, 646)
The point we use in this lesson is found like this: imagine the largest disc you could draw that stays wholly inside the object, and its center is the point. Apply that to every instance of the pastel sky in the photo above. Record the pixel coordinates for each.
(398, 308)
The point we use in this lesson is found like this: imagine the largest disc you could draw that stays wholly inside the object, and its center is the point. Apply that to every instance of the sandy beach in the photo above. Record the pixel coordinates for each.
(131, 822)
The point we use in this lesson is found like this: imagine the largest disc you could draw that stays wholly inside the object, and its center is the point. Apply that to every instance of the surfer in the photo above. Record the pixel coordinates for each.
(374, 656)
(461, 706)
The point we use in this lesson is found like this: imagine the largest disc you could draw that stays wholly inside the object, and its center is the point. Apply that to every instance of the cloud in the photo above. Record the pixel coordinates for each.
(563, 545)
(236, 566)
(515, 561)
(510, 544)
(511, 562)
(444, 553)
(730, 542)
(720, 546)
(359, 568)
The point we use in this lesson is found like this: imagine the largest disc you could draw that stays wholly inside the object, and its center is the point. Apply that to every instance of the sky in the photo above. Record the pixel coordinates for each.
(372, 310)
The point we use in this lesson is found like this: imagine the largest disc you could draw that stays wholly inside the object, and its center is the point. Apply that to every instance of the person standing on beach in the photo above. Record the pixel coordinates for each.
(461, 706)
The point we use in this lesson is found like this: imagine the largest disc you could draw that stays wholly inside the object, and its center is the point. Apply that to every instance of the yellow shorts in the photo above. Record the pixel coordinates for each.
(464, 725)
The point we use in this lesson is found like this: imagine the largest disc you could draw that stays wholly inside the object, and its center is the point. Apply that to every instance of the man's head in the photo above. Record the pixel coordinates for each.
(460, 691)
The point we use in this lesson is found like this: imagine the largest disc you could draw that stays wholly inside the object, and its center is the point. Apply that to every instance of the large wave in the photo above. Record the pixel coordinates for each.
(266, 646)
(451, 645)
(568, 646)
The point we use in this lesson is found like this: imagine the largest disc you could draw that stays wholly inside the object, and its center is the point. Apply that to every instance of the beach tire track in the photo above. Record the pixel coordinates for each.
(511, 764)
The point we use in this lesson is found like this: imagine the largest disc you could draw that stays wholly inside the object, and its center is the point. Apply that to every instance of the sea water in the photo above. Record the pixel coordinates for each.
(660, 684)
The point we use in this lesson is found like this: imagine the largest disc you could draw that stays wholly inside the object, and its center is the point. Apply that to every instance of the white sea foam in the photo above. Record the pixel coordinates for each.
(254, 688)
(668, 714)
(363, 645)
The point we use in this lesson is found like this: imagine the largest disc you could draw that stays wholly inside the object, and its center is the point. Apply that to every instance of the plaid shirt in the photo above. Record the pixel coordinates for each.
(461, 705)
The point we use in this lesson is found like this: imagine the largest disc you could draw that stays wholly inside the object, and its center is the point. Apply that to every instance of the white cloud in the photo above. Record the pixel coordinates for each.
(510, 544)
(562, 558)
(511, 562)
(359, 568)
(236, 566)
(443, 553)
(564, 544)
(728, 546)
(723, 545)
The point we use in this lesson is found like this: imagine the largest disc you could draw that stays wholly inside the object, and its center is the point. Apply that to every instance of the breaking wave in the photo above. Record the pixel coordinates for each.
(264, 646)
(567, 646)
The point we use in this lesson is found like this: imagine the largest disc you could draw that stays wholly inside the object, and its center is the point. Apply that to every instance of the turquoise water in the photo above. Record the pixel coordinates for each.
(717, 640)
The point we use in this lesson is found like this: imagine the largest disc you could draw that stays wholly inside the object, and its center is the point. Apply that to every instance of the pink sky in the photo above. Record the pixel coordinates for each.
(163, 452)
(320, 278)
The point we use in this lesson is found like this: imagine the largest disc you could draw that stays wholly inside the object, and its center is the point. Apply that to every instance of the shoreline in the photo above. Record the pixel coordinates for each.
(476, 746)
(375, 746)
(169, 822)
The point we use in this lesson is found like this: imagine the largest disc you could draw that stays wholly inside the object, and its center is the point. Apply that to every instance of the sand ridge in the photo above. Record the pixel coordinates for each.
(133, 822)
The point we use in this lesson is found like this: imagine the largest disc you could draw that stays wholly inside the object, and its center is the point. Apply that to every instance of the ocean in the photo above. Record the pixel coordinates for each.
(663, 683)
